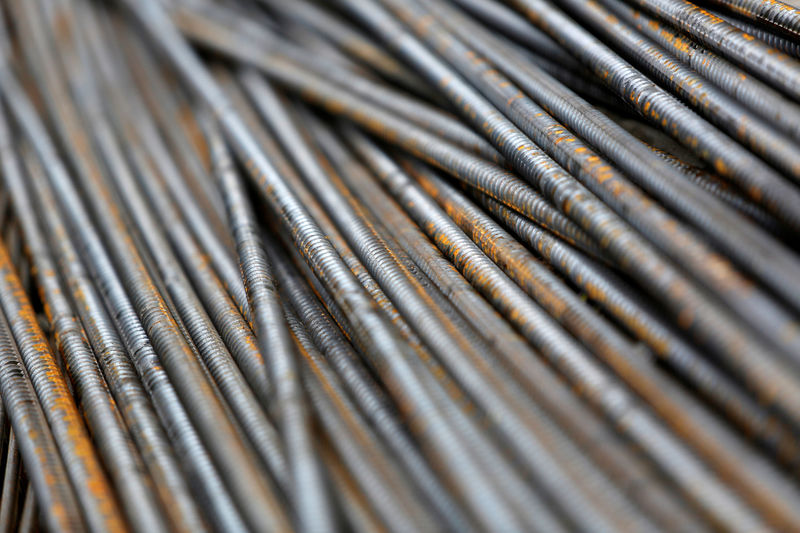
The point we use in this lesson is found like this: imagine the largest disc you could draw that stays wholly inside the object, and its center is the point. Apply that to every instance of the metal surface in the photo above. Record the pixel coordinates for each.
(384, 265)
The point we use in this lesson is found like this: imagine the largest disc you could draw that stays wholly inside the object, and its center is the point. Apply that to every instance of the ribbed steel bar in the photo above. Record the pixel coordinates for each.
(631, 251)
(356, 443)
(786, 44)
(771, 65)
(114, 443)
(537, 379)
(497, 471)
(159, 96)
(11, 484)
(492, 466)
(772, 12)
(186, 375)
(720, 109)
(231, 32)
(380, 340)
(95, 495)
(558, 353)
(734, 80)
(612, 187)
(503, 185)
(121, 376)
(621, 302)
(654, 103)
(310, 497)
(349, 39)
(239, 398)
(232, 326)
(38, 450)
(436, 331)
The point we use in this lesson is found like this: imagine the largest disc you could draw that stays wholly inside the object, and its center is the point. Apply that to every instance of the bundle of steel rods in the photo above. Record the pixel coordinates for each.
(399, 265)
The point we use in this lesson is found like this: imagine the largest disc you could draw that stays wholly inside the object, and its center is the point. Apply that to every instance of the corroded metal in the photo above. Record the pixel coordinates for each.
(773, 12)
(775, 67)
(384, 265)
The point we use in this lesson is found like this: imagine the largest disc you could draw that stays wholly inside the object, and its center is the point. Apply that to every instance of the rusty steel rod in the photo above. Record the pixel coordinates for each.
(732, 79)
(400, 184)
(785, 43)
(47, 472)
(593, 215)
(399, 265)
(613, 188)
(777, 68)
(772, 12)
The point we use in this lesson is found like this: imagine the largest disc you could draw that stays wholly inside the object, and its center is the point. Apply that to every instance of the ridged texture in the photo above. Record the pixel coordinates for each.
(398, 266)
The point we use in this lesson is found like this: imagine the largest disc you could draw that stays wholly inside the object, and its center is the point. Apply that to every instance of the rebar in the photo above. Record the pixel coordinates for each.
(384, 265)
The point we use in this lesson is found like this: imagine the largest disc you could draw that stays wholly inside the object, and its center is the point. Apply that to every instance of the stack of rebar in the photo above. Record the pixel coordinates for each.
(399, 265)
